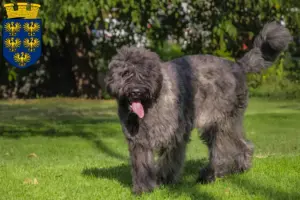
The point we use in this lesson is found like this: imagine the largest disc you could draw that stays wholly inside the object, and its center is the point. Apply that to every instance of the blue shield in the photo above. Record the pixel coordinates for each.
(22, 41)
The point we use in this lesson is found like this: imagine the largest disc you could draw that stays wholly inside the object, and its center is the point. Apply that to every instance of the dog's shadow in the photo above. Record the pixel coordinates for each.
(122, 173)
(186, 187)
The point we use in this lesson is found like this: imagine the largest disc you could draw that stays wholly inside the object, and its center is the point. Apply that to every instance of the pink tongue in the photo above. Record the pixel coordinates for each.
(138, 109)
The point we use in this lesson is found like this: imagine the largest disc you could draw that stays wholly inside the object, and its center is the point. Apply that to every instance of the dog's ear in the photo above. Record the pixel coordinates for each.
(110, 90)
(107, 88)
(107, 84)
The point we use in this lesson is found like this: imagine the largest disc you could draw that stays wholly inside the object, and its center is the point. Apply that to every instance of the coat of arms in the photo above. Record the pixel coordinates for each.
(22, 35)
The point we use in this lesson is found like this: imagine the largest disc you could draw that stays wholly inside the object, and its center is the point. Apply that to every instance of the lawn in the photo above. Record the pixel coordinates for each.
(74, 149)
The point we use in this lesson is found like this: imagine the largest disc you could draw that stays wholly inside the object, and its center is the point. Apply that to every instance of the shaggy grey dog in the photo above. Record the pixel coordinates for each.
(159, 103)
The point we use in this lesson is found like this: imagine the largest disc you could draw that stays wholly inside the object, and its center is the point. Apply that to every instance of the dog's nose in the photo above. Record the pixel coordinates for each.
(135, 92)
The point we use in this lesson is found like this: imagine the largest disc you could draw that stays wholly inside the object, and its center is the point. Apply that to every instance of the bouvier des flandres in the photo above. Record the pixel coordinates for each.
(159, 103)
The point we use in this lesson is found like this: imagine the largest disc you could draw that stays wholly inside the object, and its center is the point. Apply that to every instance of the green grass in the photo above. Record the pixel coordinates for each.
(81, 154)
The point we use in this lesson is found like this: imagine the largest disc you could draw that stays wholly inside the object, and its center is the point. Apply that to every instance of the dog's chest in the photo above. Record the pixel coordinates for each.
(164, 126)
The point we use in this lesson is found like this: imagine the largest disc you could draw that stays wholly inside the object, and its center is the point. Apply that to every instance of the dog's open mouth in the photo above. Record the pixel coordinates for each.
(137, 108)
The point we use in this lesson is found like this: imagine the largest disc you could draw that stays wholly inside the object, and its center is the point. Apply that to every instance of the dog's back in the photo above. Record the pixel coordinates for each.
(218, 86)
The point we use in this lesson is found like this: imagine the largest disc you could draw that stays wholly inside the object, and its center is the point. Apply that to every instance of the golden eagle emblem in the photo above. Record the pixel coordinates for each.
(31, 44)
(12, 28)
(22, 58)
(31, 28)
(12, 44)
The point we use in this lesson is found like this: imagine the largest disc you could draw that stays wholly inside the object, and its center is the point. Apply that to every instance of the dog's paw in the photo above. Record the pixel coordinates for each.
(166, 179)
(206, 176)
(141, 190)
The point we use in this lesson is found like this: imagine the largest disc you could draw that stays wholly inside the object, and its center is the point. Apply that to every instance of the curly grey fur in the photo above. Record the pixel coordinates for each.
(271, 41)
(196, 91)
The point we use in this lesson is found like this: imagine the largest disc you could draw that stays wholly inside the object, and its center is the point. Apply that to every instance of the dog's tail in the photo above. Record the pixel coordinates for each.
(271, 41)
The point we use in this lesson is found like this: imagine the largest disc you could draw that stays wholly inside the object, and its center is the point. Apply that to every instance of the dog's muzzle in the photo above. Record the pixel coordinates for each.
(137, 94)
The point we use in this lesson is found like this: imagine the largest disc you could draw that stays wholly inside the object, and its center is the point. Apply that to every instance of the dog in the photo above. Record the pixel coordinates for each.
(160, 103)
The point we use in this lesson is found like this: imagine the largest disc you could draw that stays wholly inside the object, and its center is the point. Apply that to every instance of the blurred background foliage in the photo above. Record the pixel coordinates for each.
(80, 37)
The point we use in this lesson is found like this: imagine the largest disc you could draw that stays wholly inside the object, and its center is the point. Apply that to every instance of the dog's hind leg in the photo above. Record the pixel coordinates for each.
(170, 164)
(229, 152)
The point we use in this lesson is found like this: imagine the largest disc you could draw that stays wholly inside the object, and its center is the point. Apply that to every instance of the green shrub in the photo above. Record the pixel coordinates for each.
(168, 51)
(283, 90)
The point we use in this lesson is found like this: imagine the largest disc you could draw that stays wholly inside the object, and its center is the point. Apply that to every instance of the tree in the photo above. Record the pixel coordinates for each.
(80, 37)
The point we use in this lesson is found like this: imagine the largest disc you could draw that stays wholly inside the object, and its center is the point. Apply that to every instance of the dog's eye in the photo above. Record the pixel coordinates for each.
(125, 73)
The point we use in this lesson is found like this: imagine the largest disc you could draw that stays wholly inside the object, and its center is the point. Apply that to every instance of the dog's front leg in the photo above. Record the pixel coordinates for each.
(143, 170)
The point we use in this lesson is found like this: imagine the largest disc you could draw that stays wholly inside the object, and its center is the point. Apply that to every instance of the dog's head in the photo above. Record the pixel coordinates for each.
(134, 77)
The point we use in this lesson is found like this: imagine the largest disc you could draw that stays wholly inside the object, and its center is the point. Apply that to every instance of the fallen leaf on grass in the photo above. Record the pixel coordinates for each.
(263, 155)
(35, 181)
(32, 155)
(27, 181)
(31, 181)
(227, 190)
